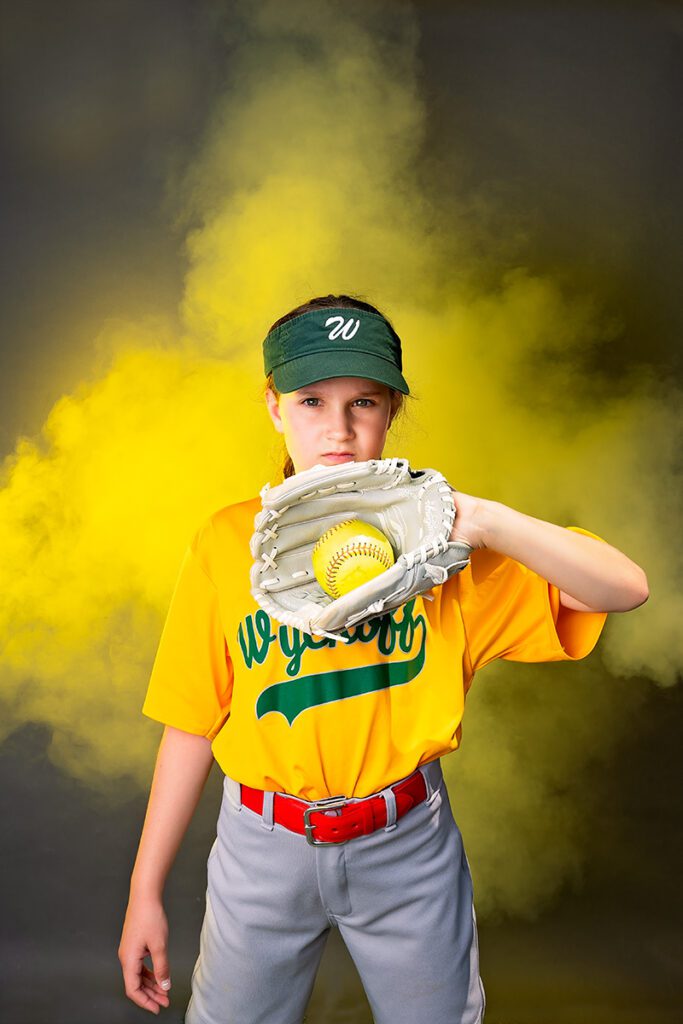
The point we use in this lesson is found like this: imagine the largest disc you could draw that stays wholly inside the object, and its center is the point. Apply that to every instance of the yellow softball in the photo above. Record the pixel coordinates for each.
(349, 554)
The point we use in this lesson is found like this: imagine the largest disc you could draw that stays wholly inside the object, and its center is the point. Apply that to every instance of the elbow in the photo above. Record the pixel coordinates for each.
(639, 590)
(626, 594)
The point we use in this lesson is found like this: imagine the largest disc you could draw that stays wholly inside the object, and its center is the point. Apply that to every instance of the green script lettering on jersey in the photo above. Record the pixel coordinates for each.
(297, 693)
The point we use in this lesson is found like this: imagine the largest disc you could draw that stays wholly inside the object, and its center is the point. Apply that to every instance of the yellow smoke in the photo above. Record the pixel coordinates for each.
(307, 182)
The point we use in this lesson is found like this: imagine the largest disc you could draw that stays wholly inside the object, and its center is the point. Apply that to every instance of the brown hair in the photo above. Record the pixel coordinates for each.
(323, 302)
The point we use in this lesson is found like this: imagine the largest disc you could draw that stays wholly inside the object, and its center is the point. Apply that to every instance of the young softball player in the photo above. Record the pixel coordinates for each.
(338, 816)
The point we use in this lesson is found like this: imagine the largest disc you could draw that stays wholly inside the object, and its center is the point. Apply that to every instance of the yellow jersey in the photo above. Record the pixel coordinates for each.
(315, 718)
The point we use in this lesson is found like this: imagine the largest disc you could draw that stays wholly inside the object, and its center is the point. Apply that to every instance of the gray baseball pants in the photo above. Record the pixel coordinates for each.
(401, 898)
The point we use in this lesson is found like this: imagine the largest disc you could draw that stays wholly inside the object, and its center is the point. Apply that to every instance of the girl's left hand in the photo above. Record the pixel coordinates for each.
(468, 527)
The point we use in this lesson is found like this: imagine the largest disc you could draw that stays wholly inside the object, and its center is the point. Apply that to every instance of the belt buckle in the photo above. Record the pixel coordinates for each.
(327, 803)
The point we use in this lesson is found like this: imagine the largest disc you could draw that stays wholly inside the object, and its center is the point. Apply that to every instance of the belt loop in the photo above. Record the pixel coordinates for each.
(267, 814)
(428, 781)
(233, 790)
(390, 801)
(433, 776)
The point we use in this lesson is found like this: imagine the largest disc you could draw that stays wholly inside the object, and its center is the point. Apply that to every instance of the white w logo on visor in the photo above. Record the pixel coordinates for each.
(344, 328)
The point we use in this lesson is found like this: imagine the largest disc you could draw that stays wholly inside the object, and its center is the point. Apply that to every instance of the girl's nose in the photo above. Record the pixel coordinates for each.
(339, 425)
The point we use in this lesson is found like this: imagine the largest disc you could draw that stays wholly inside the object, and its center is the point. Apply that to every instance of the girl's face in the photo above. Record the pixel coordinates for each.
(343, 419)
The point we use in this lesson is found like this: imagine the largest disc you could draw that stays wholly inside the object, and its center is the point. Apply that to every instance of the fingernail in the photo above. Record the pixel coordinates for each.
(166, 983)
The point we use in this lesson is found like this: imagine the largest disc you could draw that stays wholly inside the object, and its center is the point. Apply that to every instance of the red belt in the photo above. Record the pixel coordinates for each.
(349, 819)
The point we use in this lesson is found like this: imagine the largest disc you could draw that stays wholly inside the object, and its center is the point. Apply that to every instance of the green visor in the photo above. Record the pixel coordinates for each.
(333, 342)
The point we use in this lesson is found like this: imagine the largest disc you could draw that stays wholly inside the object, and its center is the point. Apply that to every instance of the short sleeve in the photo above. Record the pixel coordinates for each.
(511, 612)
(190, 686)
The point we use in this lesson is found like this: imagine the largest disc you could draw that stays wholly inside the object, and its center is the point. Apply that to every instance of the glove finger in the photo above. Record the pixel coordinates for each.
(334, 507)
(293, 571)
(321, 481)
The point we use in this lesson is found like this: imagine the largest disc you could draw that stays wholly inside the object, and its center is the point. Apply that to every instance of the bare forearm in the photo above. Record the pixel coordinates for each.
(182, 768)
(590, 570)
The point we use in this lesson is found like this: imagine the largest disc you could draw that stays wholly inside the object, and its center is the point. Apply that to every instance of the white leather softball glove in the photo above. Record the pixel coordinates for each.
(413, 508)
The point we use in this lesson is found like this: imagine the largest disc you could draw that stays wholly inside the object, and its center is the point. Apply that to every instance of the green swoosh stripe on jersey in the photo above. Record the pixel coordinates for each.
(292, 696)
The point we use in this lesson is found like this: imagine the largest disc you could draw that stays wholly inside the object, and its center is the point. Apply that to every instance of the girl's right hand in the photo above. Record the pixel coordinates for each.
(145, 933)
